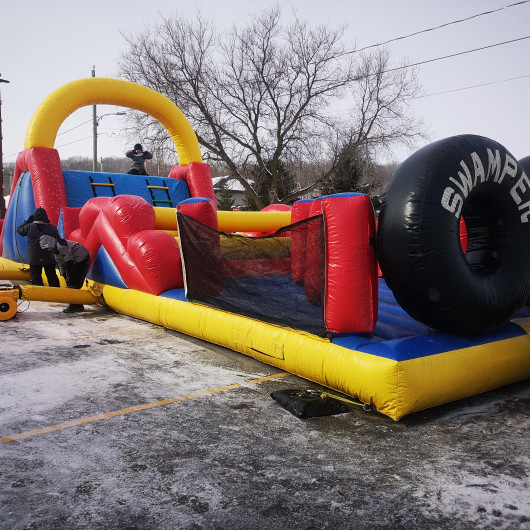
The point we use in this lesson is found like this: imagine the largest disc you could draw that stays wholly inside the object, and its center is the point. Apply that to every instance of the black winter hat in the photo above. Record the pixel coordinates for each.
(40, 215)
(137, 146)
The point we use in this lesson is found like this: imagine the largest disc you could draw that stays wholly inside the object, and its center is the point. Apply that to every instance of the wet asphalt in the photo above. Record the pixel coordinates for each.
(109, 422)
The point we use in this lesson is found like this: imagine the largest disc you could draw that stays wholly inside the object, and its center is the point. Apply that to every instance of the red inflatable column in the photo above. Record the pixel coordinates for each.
(351, 266)
(198, 177)
(44, 165)
(204, 210)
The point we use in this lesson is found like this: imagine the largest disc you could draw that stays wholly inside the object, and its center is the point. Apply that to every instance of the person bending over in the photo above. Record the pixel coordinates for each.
(138, 157)
(33, 228)
(73, 260)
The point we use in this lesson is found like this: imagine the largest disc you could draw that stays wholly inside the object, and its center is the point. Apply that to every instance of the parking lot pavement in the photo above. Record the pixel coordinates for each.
(109, 422)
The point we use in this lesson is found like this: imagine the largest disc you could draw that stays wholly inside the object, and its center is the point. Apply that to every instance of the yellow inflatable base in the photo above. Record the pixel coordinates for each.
(394, 388)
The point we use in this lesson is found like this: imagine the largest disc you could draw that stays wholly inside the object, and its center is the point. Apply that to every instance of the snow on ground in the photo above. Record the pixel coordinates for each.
(229, 456)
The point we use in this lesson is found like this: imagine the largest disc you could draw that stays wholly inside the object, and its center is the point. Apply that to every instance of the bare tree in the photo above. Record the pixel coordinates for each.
(262, 95)
(380, 117)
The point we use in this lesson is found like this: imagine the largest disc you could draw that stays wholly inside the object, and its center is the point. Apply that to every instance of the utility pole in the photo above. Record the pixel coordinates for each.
(95, 123)
(2, 200)
(94, 132)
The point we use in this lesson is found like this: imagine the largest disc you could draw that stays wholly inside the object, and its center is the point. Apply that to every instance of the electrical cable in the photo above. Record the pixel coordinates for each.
(19, 304)
(341, 111)
(56, 147)
(439, 27)
(473, 86)
(75, 141)
(69, 143)
(85, 122)
(446, 57)
(59, 146)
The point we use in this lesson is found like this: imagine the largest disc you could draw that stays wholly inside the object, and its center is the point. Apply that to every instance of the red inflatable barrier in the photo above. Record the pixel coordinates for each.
(351, 266)
(125, 226)
(46, 177)
(164, 271)
(198, 177)
(203, 210)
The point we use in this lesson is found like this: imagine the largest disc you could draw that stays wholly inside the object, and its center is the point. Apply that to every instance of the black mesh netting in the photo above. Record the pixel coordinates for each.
(255, 276)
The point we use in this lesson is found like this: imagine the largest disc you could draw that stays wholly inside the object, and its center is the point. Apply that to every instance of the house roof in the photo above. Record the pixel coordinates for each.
(227, 183)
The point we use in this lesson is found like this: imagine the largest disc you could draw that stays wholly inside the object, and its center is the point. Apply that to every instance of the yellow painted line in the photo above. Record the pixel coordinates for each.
(137, 408)
(76, 337)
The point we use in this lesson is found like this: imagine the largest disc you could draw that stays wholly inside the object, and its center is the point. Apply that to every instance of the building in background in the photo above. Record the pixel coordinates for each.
(229, 193)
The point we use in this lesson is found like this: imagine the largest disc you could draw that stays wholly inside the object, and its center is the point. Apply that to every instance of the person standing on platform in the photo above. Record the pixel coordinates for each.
(138, 157)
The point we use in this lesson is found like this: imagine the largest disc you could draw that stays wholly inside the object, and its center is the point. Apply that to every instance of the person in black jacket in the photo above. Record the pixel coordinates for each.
(138, 157)
(33, 228)
(73, 260)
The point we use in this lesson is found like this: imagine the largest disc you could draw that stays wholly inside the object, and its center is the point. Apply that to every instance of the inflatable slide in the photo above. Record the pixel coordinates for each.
(425, 307)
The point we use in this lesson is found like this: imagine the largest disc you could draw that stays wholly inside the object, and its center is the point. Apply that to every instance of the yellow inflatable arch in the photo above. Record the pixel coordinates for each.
(52, 112)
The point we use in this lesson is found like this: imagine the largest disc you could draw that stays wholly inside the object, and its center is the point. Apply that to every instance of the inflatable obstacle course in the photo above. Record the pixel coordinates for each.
(303, 294)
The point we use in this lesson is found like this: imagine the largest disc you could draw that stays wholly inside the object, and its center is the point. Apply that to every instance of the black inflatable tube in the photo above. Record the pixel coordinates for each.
(419, 247)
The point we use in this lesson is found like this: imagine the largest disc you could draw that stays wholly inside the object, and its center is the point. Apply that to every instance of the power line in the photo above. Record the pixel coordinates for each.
(99, 117)
(445, 56)
(74, 142)
(85, 122)
(448, 56)
(55, 147)
(340, 111)
(473, 86)
(439, 27)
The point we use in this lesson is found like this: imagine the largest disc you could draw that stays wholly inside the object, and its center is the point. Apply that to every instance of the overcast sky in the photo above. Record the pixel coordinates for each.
(44, 45)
